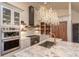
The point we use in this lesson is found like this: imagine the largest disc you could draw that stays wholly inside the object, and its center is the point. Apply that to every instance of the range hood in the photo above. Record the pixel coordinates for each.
(31, 16)
(31, 19)
(28, 26)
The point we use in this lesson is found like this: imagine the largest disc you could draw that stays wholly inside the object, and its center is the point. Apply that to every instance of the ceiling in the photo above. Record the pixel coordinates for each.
(75, 6)
(54, 5)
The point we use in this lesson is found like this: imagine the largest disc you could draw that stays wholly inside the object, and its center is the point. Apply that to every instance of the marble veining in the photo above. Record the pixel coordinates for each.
(61, 49)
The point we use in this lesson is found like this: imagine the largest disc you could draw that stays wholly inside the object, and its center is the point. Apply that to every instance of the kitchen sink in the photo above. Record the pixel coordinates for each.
(47, 44)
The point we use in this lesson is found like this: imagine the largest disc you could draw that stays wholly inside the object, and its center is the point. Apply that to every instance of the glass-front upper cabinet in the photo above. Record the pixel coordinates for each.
(9, 16)
(6, 16)
(16, 18)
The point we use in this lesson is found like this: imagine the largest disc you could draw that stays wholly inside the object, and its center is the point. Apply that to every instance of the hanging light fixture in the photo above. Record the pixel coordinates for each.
(48, 15)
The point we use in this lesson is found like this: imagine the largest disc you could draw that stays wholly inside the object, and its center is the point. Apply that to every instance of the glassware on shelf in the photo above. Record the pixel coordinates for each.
(6, 16)
(16, 18)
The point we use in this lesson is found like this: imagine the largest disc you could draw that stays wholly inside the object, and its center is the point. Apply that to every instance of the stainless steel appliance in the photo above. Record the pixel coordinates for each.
(10, 39)
(9, 45)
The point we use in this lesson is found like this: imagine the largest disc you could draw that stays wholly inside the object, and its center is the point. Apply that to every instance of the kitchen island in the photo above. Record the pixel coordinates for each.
(61, 49)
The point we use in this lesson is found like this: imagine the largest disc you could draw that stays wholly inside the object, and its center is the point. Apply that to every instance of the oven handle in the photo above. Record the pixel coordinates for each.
(9, 40)
(2, 41)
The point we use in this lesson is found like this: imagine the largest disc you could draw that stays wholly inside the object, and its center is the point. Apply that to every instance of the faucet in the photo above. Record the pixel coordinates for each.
(54, 37)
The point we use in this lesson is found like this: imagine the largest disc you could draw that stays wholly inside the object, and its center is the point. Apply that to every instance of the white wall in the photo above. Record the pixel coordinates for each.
(75, 16)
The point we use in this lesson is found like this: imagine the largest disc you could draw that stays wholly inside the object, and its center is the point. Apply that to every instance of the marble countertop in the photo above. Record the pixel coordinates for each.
(61, 49)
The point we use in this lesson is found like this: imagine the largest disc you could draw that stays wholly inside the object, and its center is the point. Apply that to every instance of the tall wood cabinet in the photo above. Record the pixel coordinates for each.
(60, 30)
(55, 30)
(47, 29)
(42, 28)
(63, 30)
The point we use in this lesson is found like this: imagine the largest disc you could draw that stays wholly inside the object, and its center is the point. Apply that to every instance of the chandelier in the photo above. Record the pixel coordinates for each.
(48, 15)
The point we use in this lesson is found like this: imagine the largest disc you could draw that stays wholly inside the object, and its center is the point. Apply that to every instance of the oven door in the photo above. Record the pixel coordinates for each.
(10, 45)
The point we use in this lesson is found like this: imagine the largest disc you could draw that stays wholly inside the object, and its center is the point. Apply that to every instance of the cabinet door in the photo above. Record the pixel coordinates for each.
(6, 16)
(47, 29)
(63, 30)
(16, 18)
(76, 33)
(42, 28)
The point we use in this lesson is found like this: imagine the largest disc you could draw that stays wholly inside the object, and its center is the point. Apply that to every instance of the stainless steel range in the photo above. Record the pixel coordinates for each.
(10, 39)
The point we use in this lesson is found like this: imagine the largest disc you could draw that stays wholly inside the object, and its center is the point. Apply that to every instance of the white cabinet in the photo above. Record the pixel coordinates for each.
(9, 26)
(25, 42)
(9, 16)
(6, 16)
(16, 18)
